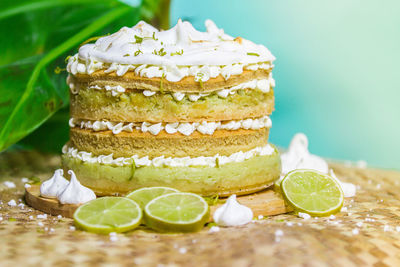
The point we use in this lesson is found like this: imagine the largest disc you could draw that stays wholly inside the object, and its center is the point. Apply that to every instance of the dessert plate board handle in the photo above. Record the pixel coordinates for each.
(265, 203)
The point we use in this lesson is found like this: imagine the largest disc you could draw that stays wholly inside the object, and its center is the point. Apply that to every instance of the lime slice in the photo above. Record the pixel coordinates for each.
(142, 196)
(108, 214)
(177, 212)
(277, 184)
(312, 192)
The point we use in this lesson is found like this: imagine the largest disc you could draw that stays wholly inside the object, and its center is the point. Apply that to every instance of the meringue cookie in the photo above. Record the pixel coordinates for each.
(53, 186)
(75, 193)
(232, 213)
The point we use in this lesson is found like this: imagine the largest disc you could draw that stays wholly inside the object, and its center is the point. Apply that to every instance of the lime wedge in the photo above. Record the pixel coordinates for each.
(177, 212)
(142, 196)
(312, 192)
(108, 214)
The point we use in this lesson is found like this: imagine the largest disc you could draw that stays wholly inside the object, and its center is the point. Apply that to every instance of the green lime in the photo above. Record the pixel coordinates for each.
(143, 195)
(277, 184)
(177, 212)
(108, 214)
(312, 192)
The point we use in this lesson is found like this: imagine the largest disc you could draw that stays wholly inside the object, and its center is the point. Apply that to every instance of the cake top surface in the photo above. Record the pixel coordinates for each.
(181, 45)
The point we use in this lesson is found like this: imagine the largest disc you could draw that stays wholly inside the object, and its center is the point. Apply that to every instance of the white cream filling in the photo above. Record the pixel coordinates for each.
(161, 161)
(175, 74)
(264, 85)
(173, 54)
(185, 128)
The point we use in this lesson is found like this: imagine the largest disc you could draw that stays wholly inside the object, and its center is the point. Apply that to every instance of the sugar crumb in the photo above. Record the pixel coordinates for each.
(279, 232)
(214, 229)
(303, 215)
(362, 164)
(182, 250)
(12, 203)
(9, 184)
(113, 237)
(42, 216)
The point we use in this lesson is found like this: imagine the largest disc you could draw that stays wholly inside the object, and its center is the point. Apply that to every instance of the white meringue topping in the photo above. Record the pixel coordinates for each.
(298, 157)
(175, 53)
(232, 213)
(56, 184)
(75, 193)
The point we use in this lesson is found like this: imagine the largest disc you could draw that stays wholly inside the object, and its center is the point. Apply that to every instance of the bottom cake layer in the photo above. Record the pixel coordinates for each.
(248, 176)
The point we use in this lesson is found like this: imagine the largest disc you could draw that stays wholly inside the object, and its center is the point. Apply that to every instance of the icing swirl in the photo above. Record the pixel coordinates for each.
(153, 53)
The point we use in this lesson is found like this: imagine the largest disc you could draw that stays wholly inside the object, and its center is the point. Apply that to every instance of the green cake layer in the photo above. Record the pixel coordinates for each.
(244, 177)
(133, 106)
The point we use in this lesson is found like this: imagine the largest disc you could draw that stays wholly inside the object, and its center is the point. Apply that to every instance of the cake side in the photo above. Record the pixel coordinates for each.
(176, 108)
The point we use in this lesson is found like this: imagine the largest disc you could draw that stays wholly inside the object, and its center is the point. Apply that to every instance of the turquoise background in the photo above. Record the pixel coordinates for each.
(337, 70)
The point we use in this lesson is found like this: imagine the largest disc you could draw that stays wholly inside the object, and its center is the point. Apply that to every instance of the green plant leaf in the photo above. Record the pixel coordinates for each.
(37, 40)
(22, 111)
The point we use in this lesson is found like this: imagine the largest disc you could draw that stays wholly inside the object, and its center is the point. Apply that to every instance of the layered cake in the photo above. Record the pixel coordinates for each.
(178, 108)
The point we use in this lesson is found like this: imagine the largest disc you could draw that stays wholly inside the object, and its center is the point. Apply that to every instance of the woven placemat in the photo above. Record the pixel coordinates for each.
(366, 234)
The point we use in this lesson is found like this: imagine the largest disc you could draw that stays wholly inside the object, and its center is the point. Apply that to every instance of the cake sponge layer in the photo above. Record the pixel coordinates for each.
(244, 177)
(125, 144)
(187, 84)
(133, 106)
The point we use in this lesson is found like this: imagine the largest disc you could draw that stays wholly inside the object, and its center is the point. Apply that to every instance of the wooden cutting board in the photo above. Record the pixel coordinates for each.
(265, 203)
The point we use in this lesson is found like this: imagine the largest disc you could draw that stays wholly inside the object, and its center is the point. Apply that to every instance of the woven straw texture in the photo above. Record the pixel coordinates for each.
(364, 235)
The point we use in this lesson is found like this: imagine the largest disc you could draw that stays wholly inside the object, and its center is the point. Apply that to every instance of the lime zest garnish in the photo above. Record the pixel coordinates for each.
(177, 53)
(91, 39)
(58, 70)
(160, 53)
(138, 52)
(253, 54)
(161, 82)
(139, 40)
(67, 58)
(212, 200)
